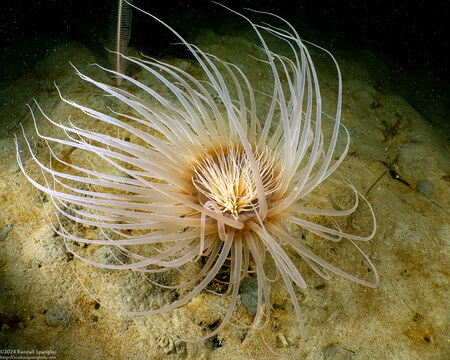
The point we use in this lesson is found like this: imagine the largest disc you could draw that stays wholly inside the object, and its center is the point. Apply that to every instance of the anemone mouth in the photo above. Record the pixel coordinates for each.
(225, 181)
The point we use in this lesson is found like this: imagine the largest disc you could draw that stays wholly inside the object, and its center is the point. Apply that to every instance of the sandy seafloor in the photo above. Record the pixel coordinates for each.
(44, 307)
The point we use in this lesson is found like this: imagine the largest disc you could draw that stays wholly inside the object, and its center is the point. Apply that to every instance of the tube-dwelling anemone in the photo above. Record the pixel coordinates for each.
(205, 182)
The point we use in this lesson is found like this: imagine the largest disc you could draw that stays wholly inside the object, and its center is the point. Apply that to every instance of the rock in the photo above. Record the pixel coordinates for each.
(425, 187)
(109, 255)
(249, 295)
(6, 229)
(56, 316)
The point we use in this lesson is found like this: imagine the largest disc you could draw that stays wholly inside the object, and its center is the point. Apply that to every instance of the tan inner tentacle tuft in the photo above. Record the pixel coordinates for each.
(224, 176)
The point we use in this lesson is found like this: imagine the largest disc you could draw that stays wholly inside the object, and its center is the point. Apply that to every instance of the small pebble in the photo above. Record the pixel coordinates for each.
(6, 229)
(425, 187)
(51, 251)
(249, 295)
(109, 255)
(334, 351)
(56, 316)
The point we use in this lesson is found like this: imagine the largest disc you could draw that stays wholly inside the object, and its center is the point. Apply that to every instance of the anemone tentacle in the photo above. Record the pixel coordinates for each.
(206, 182)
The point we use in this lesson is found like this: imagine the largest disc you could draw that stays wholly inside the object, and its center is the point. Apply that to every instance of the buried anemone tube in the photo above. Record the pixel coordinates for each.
(205, 182)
